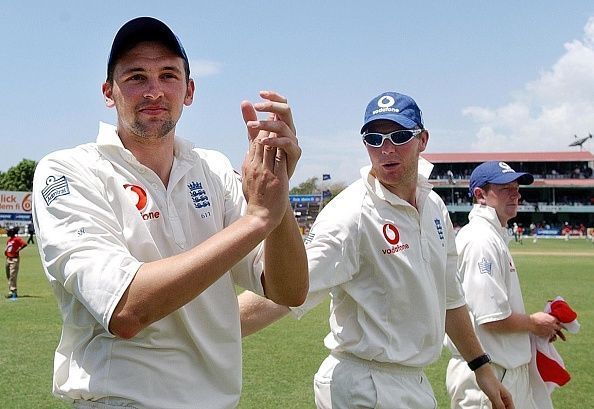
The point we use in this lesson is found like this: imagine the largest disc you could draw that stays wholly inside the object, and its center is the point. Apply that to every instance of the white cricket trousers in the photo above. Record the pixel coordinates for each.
(345, 381)
(104, 403)
(465, 393)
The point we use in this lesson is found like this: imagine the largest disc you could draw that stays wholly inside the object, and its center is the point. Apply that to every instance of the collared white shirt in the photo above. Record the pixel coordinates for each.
(491, 286)
(390, 271)
(100, 214)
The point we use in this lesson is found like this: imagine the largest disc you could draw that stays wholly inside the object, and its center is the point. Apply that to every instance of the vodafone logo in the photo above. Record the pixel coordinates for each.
(385, 102)
(137, 195)
(391, 234)
(505, 168)
(26, 203)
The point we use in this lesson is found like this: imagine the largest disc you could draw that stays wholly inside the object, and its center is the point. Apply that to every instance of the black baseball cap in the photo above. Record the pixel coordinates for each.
(144, 29)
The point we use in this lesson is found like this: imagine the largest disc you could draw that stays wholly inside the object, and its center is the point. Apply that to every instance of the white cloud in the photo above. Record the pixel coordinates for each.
(204, 68)
(549, 110)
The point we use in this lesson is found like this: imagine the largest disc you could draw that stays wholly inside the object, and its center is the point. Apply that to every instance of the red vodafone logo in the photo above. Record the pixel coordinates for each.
(26, 203)
(138, 195)
(391, 234)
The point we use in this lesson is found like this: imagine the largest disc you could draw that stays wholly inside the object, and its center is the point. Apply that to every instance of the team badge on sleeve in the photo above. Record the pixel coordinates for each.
(55, 187)
(484, 266)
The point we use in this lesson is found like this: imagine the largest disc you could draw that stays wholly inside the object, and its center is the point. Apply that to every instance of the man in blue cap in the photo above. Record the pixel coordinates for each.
(384, 250)
(492, 290)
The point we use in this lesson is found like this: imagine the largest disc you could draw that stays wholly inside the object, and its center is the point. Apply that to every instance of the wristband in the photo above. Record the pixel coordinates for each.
(476, 363)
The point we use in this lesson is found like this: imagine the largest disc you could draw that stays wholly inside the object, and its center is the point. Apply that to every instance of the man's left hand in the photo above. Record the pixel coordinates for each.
(499, 396)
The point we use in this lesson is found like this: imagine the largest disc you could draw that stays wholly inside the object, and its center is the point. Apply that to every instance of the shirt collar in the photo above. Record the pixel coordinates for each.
(423, 186)
(108, 138)
(489, 214)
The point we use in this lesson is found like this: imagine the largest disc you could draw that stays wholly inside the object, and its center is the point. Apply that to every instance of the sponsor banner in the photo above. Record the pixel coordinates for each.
(548, 232)
(305, 198)
(15, 205)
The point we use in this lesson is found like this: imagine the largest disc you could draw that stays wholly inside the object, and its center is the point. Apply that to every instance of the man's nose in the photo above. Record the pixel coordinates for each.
(153, 90)
(388, 146)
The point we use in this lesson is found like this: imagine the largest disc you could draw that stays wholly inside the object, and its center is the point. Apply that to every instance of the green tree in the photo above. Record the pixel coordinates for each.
(310, 186)
(336, 188)
(19, 178)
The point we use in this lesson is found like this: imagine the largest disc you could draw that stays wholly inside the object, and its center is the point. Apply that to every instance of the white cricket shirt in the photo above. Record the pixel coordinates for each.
(491, 286)
(390, 271)
(99, 215)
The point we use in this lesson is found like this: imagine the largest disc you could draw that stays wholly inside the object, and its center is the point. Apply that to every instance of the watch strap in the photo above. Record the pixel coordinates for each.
(476, 363)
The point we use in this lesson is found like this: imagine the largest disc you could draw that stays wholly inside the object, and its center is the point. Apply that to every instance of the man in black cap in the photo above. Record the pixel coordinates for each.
(143, 238)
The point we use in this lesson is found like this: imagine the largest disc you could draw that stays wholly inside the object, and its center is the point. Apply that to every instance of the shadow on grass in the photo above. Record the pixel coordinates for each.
(23, 296)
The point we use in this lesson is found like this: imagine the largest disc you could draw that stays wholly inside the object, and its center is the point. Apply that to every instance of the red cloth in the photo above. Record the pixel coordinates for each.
(547, 369)
(550, 370)
(562, 311)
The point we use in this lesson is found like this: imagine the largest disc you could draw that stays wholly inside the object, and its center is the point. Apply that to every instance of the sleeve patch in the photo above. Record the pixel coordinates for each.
(55, 187)
(485, 266)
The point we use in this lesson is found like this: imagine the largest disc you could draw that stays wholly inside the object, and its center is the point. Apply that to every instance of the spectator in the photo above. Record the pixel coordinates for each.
(31, 232)
(14, 245)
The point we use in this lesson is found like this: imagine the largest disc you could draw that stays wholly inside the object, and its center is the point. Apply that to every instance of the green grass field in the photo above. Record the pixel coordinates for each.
(279, 362)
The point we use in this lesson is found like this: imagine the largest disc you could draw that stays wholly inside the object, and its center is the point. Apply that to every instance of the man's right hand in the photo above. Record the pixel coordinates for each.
(271, 158)
(544, 325)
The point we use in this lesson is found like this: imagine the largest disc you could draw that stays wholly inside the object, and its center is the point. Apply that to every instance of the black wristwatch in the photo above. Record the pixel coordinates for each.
(476, 363)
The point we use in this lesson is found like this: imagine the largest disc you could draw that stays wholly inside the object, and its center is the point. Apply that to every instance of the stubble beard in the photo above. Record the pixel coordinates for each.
(144, 131)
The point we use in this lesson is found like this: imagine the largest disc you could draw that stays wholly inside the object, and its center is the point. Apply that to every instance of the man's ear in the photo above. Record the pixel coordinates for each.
(423, 139)
(107, 89)
(189, 98)
(479, 194)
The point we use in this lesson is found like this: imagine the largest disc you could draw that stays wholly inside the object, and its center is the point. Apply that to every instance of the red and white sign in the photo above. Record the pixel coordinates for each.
(15, 205)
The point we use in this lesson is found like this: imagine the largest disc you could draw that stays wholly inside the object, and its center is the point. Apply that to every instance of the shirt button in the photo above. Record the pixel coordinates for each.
(155, 185)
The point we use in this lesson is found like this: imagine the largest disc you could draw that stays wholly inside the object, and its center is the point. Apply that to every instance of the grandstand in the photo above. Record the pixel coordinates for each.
(561, 197)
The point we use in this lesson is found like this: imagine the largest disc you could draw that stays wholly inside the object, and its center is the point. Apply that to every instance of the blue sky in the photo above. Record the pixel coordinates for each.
(489, 76)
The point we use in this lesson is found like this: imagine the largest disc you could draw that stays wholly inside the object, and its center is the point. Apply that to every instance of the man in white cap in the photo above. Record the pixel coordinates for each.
(384, 249)
(143, 238)
(492, 290)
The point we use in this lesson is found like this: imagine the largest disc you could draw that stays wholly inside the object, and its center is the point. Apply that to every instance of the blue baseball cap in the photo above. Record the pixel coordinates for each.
(144, 29)
(498, 173)
(394, 107)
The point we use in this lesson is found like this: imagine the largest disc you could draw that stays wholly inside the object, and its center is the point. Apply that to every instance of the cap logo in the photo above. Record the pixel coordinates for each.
(385, 102)
(505, 168)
